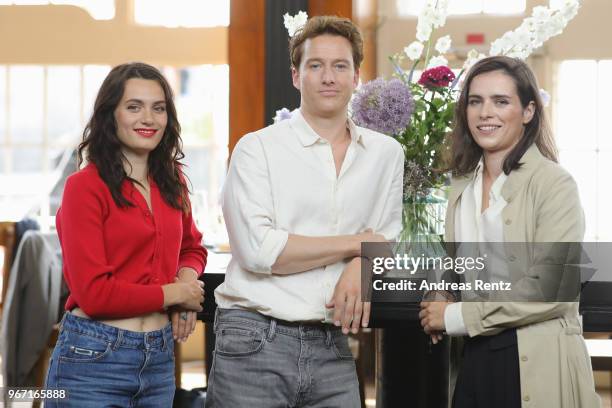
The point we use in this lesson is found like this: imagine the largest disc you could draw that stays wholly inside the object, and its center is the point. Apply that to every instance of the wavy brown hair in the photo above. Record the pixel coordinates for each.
(466, 153)
(101, 145)
(332, 25)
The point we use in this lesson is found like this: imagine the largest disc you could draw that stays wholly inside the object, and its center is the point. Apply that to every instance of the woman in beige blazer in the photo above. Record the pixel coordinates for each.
(516, 354)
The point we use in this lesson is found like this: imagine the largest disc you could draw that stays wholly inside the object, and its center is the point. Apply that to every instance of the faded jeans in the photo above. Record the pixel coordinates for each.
(103, 366)
(260, 362)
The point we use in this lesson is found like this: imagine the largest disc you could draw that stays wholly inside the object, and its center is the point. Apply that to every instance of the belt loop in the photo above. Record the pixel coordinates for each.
(271, 329)
(164, 340)
(61, 324)
(118, 340)
(328, 337)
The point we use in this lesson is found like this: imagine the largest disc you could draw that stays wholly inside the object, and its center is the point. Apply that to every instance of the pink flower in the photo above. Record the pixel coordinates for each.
(437, 77)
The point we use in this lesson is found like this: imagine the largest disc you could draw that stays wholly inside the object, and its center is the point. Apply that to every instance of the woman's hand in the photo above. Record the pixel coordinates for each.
(182, 316)
(183, 323)
(192, 295)
(186, 292)
(432, 318)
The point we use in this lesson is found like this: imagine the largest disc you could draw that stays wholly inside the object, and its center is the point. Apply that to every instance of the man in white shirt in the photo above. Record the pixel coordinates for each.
(300, 198)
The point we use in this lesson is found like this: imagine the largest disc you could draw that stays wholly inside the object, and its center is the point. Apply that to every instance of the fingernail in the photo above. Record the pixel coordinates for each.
(355, 330)
(337, 322)
(365, 324)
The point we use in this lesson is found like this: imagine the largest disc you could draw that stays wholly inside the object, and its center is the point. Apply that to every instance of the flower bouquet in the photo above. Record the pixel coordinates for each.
(417, 107)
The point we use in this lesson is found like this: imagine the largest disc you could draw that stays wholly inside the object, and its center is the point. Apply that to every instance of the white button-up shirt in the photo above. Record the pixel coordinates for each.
(282, 180)
(474, 225)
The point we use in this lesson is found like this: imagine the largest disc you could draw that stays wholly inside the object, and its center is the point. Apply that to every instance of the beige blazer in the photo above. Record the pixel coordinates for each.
(543, 206)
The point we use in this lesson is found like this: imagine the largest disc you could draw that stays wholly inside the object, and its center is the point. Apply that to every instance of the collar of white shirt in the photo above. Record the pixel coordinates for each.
(496, 189)
(309, 137)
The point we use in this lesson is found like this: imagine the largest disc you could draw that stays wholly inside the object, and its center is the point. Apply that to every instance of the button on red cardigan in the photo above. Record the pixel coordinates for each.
(117, 259)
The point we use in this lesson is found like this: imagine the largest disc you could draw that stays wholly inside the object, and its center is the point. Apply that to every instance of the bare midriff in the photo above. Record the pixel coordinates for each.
(143, 323)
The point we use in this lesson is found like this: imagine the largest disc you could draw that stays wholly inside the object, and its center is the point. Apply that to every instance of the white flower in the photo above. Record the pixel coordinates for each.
(556, 24)
(414, 50)
(443, 44)
(530, 24)
(437, 61)
(570, 11)
(545, 96)
(294, 23)
(472, 57)
(545, 23)
(423, 31)
(522, 37)
(496, 48)
(541, 13)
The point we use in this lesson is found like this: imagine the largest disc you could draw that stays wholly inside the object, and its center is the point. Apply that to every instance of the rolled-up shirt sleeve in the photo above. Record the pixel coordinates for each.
(248, 208)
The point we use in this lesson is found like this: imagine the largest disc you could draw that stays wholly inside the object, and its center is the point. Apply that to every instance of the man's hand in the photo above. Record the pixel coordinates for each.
(432, 318)
(349, 310)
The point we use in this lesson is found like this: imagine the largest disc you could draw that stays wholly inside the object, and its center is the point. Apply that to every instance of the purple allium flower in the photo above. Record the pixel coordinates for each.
(282, 114)
(383, 106)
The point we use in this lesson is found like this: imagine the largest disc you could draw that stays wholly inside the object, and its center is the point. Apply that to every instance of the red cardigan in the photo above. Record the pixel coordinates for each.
(117, 259)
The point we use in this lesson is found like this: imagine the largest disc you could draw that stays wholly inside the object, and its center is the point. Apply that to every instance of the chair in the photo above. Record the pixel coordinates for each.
(7, 241)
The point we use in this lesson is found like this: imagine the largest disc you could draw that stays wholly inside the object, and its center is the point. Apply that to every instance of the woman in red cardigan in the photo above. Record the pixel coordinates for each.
(131, 251)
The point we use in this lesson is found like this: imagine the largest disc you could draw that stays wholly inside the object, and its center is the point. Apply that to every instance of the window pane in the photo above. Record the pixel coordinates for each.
(3, 161)
(2, 105)
(93, 75)
(64, 95)
(182, 13)
(407, 8)
(575, 117)
(503, 6)
(604, 106)
(29, 2)
(98, 9)
(26, 103)
(604, 197)
(583, 167)
(27, 159)
(464, 6)
(202, 96)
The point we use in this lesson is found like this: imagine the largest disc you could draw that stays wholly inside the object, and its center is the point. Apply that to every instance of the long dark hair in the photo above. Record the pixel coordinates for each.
(102, 147)
(466, 153)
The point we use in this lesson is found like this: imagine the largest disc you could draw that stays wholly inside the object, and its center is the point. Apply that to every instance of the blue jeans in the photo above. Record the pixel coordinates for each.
(103, 366)
(263, 362)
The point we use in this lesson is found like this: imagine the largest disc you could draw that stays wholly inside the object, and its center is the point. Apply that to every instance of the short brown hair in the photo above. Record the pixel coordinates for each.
(332, 25)
(466, 153)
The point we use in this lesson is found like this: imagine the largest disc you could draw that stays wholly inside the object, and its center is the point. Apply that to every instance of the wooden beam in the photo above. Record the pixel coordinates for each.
(342, 8)
(246, 55)
(365, 15)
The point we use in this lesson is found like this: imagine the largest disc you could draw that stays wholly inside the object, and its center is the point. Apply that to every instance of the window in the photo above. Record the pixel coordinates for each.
(582, 108)
(43, 109)
(412, 8)
(182, 13)
(98, 9)
(47, 107)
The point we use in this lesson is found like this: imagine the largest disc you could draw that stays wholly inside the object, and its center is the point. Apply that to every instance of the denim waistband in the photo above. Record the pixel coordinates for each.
(156, 339)
(300, 329)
